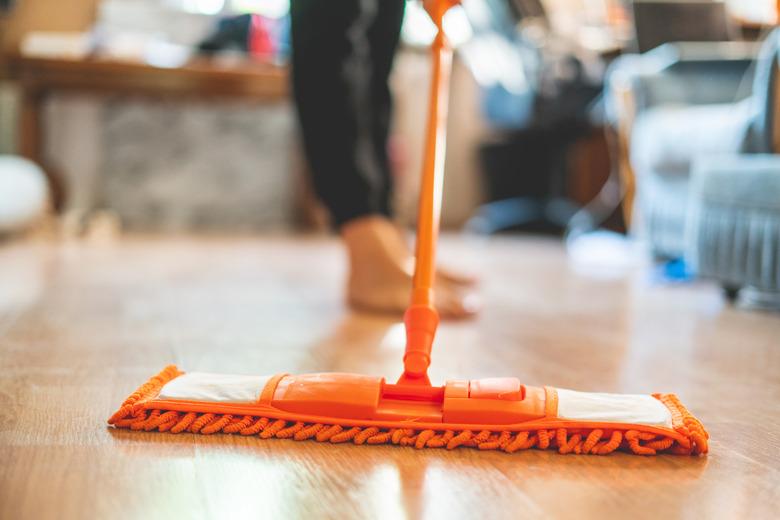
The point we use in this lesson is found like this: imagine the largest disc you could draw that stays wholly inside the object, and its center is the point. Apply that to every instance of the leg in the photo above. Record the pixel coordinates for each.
(342, 56)
(31, 142)
(332, 72)
(384, 36)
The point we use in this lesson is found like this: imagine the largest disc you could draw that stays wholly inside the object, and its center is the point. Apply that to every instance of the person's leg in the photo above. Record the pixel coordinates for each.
(332, 68)
(342, 56)
(384, 35)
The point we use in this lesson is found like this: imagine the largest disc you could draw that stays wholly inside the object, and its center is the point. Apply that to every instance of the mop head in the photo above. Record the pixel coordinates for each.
(488, 414)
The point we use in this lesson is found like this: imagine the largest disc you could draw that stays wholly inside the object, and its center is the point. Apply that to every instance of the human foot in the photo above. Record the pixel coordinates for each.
(381, 269)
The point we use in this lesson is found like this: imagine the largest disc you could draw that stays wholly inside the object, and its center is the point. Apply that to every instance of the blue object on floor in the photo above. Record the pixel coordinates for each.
(673, 271)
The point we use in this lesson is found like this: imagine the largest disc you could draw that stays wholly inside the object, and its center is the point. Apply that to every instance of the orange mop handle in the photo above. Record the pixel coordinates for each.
(421, 318)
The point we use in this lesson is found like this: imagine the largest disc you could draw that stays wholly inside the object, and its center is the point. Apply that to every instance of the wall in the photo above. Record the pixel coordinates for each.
(46, 15)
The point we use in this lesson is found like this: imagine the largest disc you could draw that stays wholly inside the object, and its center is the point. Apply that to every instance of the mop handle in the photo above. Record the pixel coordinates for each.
(421, 318)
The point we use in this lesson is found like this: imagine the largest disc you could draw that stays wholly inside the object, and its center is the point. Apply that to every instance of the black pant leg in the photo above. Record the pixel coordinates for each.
(333, 69)
(384, 36)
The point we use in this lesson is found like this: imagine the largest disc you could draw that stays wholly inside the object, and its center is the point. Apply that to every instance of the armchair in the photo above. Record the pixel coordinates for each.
(699, 127)
(674, 104)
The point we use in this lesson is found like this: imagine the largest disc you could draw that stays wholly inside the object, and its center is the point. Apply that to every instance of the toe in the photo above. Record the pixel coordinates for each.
(453, 304)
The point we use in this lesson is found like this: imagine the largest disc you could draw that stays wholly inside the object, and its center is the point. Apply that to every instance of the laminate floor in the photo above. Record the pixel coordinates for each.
(81, 326)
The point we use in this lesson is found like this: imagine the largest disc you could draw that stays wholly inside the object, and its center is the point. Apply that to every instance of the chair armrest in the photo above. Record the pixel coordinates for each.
(705, 52)
(694, 73)
(688, 73)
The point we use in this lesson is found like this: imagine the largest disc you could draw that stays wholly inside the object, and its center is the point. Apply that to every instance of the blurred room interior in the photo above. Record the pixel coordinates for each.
(578, 119)
(611, 171)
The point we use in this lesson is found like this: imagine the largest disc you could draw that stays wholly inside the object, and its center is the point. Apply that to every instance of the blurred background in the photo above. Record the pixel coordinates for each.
(627, 128)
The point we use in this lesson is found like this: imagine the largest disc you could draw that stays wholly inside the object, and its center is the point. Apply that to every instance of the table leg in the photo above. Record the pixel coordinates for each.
(31, 142)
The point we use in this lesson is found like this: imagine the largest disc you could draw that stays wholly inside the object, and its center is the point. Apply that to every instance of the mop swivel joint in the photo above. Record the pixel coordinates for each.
(421, 322)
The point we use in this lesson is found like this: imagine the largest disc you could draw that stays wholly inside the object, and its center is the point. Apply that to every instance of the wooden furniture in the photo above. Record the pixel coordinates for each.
(200, 78)
(590, 165)
(621, 135)
(657, 22)
(81, 326)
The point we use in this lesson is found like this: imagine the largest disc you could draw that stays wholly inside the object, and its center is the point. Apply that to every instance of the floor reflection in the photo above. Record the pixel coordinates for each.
(360, 343)
(23, 276)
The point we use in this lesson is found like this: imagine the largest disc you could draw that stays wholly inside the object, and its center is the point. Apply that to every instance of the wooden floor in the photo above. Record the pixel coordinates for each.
(82, 325)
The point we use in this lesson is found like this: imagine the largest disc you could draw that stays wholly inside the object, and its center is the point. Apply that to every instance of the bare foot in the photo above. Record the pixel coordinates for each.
(381, 269)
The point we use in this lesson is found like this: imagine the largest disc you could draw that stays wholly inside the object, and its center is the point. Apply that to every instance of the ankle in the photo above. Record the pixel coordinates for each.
(357, 230)
(374, 238)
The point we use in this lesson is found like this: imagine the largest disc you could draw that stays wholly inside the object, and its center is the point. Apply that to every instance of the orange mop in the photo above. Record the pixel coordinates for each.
(488, 414)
